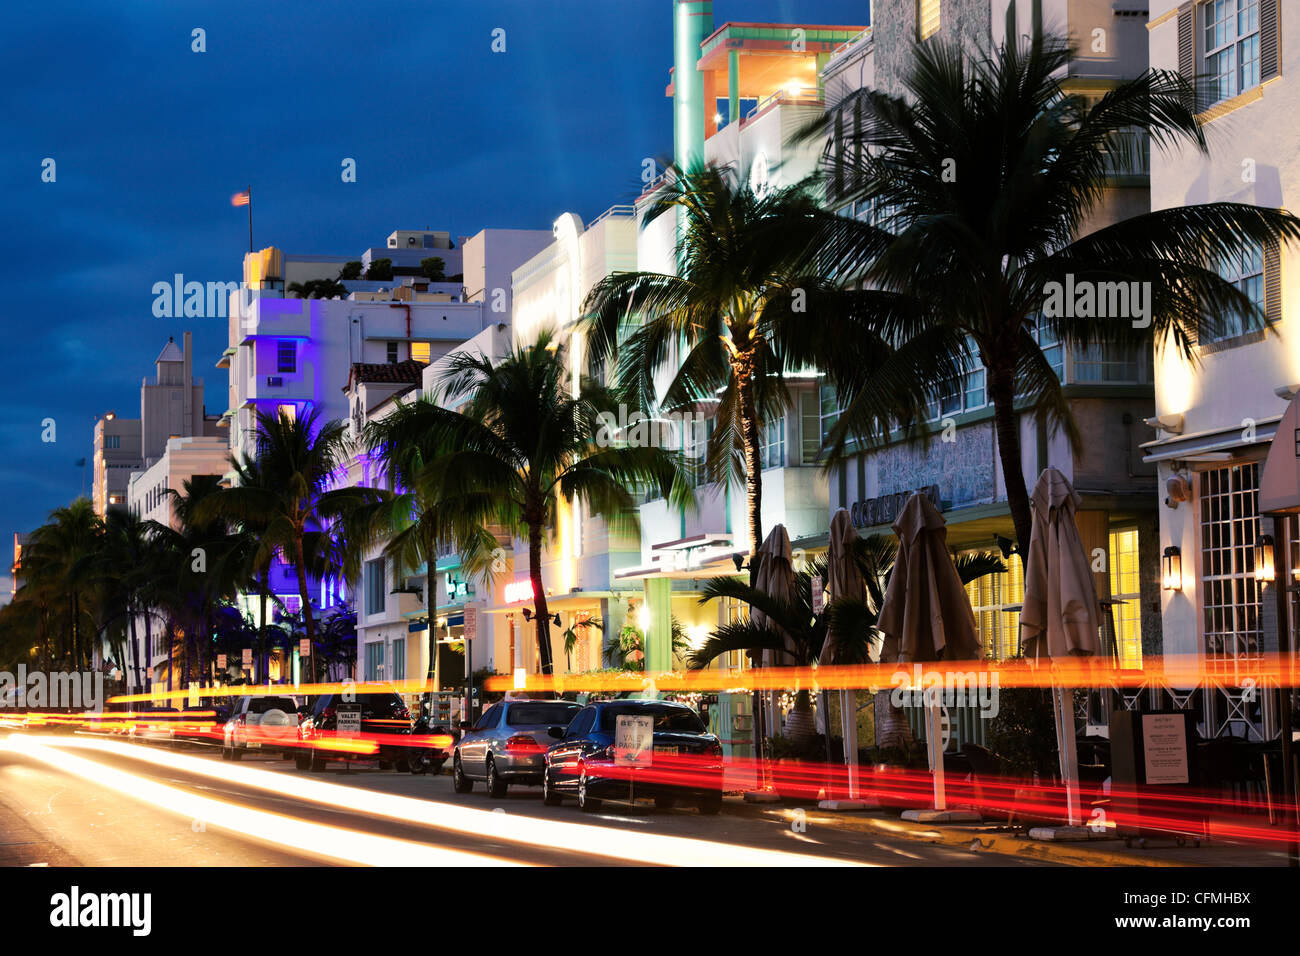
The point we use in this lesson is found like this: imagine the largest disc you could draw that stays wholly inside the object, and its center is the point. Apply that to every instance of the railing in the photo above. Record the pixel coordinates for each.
(784, 96)
(621, 211)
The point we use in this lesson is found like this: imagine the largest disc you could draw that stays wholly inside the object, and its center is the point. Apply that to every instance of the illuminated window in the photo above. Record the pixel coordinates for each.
(1125, 587)
(289, 412)
(927, 18)
(420, 352)
(1230, 600)
(992, 598)
(286, 356)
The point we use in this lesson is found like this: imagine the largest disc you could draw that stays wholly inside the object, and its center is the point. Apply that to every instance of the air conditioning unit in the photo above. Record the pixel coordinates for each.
(274, 381)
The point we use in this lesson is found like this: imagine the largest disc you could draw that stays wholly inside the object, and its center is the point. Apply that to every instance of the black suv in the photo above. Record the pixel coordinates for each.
(355, 727)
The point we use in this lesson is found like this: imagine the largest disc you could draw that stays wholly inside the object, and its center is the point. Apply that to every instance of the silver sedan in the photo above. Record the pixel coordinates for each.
(507, 744)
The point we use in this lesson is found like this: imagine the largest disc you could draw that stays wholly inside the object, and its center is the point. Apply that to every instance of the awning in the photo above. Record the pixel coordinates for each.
(1279, 482)
(1214, 445)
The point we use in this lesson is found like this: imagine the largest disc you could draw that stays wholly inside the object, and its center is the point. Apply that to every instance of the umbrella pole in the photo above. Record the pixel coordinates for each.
(934, 744)
(1063, 705)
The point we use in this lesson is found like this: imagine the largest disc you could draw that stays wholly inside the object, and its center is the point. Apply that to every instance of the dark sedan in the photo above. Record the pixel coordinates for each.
(356, 727)
(682, 763)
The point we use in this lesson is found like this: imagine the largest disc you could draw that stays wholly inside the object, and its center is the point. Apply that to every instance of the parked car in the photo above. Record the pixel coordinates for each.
(685, 762)
(343, 727)
(507, 745)
(260, 723)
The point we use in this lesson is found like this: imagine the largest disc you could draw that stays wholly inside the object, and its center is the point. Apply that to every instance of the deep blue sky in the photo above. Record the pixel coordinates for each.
(151, 140)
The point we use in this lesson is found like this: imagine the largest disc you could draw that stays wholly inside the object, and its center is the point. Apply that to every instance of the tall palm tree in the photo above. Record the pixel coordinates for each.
(524, 443)
(125, 568)
(299, 461)
(733, 319)
(985, 176)
(413, 521)
(60, 555)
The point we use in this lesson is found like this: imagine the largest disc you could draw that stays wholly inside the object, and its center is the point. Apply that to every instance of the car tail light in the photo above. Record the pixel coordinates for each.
(523, 744)
(713, 750)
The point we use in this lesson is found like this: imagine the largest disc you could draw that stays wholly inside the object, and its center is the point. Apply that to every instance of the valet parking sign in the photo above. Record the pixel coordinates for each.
(633, 740)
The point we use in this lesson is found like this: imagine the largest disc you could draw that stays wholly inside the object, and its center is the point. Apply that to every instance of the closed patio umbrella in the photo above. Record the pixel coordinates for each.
(1061, 616)
(776, 578)
(926, 615)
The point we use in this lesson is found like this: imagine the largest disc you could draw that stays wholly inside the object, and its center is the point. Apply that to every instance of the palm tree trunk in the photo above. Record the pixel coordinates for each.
(430, 587)
(542, 621)
(261, 624)
(308, 623)
(135, 647)
(1006, 422)
(743, 370)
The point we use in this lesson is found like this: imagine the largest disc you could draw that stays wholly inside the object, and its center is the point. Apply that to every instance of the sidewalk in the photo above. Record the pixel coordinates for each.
(1009, 840)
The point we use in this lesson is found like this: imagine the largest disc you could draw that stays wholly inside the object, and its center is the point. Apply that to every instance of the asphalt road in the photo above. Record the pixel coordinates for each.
(67, 804)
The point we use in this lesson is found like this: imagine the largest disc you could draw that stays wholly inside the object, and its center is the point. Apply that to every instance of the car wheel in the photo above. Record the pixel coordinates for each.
(495, 785)
(586, 803)
(459, 782)
(415, 765)
(316, 763)
(550, 796)
(402, 765)
(302, 761)
(664, 802)
(710, 803)
(236, 753)
(385, 765)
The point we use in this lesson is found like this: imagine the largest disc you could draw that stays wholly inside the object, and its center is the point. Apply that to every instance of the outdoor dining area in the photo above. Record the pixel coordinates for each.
(1058, 742)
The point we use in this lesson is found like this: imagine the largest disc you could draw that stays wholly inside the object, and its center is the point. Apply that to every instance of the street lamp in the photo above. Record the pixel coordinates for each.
(1173, 569)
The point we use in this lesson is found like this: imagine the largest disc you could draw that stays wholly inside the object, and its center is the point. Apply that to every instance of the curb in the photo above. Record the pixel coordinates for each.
(1003, 844)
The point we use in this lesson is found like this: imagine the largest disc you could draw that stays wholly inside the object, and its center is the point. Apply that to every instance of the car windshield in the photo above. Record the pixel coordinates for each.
(375, 705)
(668, 719)
(546, 714)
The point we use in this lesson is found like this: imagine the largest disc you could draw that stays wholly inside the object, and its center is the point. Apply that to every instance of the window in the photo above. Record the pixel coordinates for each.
(1230, 38)
(286, 356)
(927, 18)
(1107, 362)
(375, 586)
(488, 718)
(540, 715)
(399, 659)
(992, 598)
(696, 449)
(581, 724)
(1125, 586)
(830, 410)
(666, 717)
(772, 454)
(1246, 272)
(810, 427)
(375, 660)
(288, 412)
(392, 353)
(1230, 595)
(420, 352)
(112, 441)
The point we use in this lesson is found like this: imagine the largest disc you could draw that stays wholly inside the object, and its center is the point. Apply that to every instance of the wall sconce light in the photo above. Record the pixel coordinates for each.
(1172, 579)
(1264, 568)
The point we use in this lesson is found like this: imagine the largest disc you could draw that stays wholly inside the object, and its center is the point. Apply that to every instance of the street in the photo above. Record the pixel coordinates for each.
(88, 801)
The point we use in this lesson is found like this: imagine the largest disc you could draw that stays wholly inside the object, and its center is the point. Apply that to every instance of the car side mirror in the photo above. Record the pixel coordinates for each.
(463, 725)
(556, 732)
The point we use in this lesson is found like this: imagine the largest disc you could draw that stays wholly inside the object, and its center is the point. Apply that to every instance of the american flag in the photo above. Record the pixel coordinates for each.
(240, 199)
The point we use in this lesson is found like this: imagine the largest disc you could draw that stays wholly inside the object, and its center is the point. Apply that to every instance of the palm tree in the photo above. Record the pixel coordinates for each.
(413, 521)
(733, 316)
(524, 443)
(126, 569)
(299, 459)
(59, 558)
(984, 177)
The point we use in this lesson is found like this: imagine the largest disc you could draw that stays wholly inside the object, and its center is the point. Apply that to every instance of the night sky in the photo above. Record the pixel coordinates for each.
(150, 139)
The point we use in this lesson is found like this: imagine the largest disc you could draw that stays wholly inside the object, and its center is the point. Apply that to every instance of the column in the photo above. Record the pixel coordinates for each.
(659, 636)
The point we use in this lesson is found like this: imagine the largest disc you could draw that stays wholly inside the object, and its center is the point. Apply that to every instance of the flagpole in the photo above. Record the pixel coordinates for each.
(250, 217)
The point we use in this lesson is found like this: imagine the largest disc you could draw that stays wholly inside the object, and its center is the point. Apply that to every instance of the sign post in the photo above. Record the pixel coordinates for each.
(633, 746)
